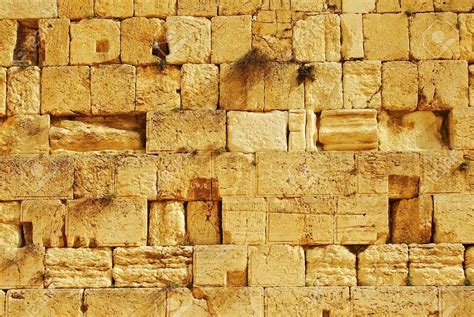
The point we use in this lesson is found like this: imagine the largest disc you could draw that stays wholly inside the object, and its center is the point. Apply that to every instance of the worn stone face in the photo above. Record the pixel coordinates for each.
(75, 9)
(282, 90)
(361, 84)
(155, 8)
(54, 39)
(232, 7)
(113, 9)
(21, 267)
(138, 38)
(235, 174)
(136, 176)
(23, 90)
(441, 172)
(411, 220)
(24, 134)
(352, 36)
(418, 6)
(203, 224)
(158, 90)
(8, 30)
(453, 218)
(10, 228)
(3, 91)
(461, 127)
(29, 10)
(93, 176)
(167, 225)
(358, 6)
(466, 33)
(231, 38)
(206, 8)
(243, 220)
(469, 263)
(456, 300)
(325, 92)
(332, 265)
(399, 86)
(200, 86)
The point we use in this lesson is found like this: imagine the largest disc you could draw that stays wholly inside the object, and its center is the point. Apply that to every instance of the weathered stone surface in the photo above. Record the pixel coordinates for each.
(132, 302)
(276, 265)
(69, 268)
(452, 5)
(282, 89)
(94, 176)
(231, 38)
(23, 90)
(114, 9)
(453, 218)
(3, 91)
(203, 225)
(372, 172)
(399, 86)
(75, 9)
(443, 85)
(331, 265)
(466, 29)
(257, 132)
(384, 6)
(10, 228)
(95, 41)
(296, 141)
(38, 9)
(436, 264)
(158, 90)
(48, 302)
(21, 267)
(348, 130)
(152, 266)
(317, 39)
(441, 172)
(167, 224)
(243, 220)
(358, 6)
(362, 83)
(220, 265)
(456, 301)
(297, 120)
(206, 8)
(275, 48)
(404, 171)
(235, 174)
(8, 30)
(411, 220)
(189, 40)
(352, 36)
(155, 8)
(136, 176)
(65, 90)
(24, 134)
(233, 7)
(138, 38)
(469, 263)
(461, 128)
(311, 133)
(54, 42)
(200, 86)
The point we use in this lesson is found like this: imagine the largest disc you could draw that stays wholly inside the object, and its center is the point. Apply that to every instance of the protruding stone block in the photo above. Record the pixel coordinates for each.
(332, 265)
(243, 220)
(167, 225)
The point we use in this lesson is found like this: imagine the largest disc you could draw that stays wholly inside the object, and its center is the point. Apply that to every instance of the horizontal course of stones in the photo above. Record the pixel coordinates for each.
(265, 157)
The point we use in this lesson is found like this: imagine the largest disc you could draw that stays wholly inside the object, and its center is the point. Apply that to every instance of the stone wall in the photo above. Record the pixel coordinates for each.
(236, 158)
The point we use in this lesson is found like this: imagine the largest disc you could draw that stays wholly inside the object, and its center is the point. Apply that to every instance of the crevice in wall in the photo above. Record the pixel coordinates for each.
(26, 51)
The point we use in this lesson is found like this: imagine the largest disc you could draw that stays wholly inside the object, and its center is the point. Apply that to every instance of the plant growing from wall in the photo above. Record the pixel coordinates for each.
(306, 72)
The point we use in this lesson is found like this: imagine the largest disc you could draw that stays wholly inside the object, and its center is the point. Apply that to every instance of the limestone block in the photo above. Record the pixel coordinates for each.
(203, 225)
(399, 86)
(114, 9)
(75, 9)
(243, 220)
(294, 174)
(185, 131)
(10, 228)
(65, 90)
(362, 219)
(189, 40)
(311, 133)
(441, 172)
(384, 6)
(469, 263)
(3, 91)
(155, 8)
(452, 5)
(48, 302)
(239, 7)
(54, 42)
(38, 9)
(231, 38)
(308, 5)
(394, 301)
(167, 225)
(200, 86)
(94, 176)
(138, 37)
(461, 128)
(206, 8)
(257, 132)
(8, 31)
(297, 120)
(317, 39)
(78, 268)
(282, 90)
(46, 219)
(358, 6)
(2, 303)
(434, 36)
(436, 264)
(152, 266)
(136, 176)
(362, 83)
(220, 265)
(23, 90)
(332, 265)
(296, 141)
(275, 48)
(139, 302)
(411, 220)
(235, 174)
(185, 177)
(443, 85)
(24, 134)
(417, 6)
(21, 267)
(453, 216)
(95, 41)
(276, 265)
(107, 221)
(352, 36)
(307, 301)
(466, 36)
(456, 301)
(302, 220)
(348, 130)
(158, 90)
(372, 172)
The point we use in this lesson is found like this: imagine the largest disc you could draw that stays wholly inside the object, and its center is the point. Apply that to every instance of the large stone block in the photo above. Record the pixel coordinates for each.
(3, 91)
(37, 9)
(325, 91)
(203, 225)
(243, 220)
(206, 8)
(158, 90)
(24, 134)
(332, 265)
(466, 40)
(94, 176)
(8, 31)
(461, 128)
(75, 9)
(362, 83)
(200, 86)
(469, 263)
(399, 86)
(358, 6)
(23, 90)
(166, 225)
(411, 220)
(155, 8)
(231, 38)
(138, 38)
(352, 36)
(21, 267)
(417, 6)
(453, 218)
(10, 227)
(282, 89)
(136, 176)
(442, 173)
(54, 42)
(114, 9)
(233, 7)
(456, 301)
(235, 174)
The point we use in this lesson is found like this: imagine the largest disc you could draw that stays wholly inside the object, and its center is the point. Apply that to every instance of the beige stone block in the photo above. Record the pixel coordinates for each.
(94, 176)
(48, 302)
(308, 5)
(416, 6)
(203, 224)
(8, 31)
(348, 130)
(384, 6)
(220, 265)
(297, 120)
(441, 172)
(38, 9)
(23, 90)
(362, 219)
(189, 40)
(436, 264)
(453, 218)
(317, 39)
(469, 263)
(434, 36)
(399, 86)
(466, 36)
(239, 7)
(65, 90)
(461, 128)
(54, 42)
(95, 41)
(235, 174)
(257, 132)
(331, 265)
(21, 267)
(138, 38)
(311, 133)
(471, 85)
(296, 141)
(282, 90)
(394, 301)
(276, 265)
(10, 228)
(456, 301)
(167, 224)
(411, 220)
(185, 131)
(362, 83)
(206, 8)
(153, 266)
(158, 90)
(3, 91)
(358, 6)
(289, 301)
(231, 38)
(136, 176)
(372, 172)
(453, 5)
(46, 220)
(443, 85)
(106, 221)
(78, 268)
(386, 37)
(155, 8)
(200, 86)
(352, 36)
(114, 9)
(275, 48)
(24, 134)
(75, 9)
(302, 220)
(294, 174)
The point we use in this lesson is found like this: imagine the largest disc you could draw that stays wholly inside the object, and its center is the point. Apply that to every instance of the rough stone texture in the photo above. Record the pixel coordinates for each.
(8, 30)
(94, 176)
(75, 9)
(235, 174)
(332, 265)
(138, 38)
(136, 176)
(23, 90)
(167, 225)
(352, 36)
(461, 128)
(469, 263)
(417, 6)
(372, 172)
(453, 218)
(399, 86)
(257, 132)
(411, 220)
(358, 6)
(325, 92)
(243, 220)
(28, 9)
(466, 33)
(78, 268)
(155, 8)
(362, 83)
(158, 90)
(200, 86)
(220, 265)
(384, 6)
(203, 224)
(206, 8)
(54, 42)
(152, 266)
(282, 90)
(456, 301)
(24, 134)
(441, 172)
(10, 228)
(436, 264)
(3, 91)
(21, 267)
(276, 265)
(348, 130)
(233, 7)
(231, 38)
(114, 9)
